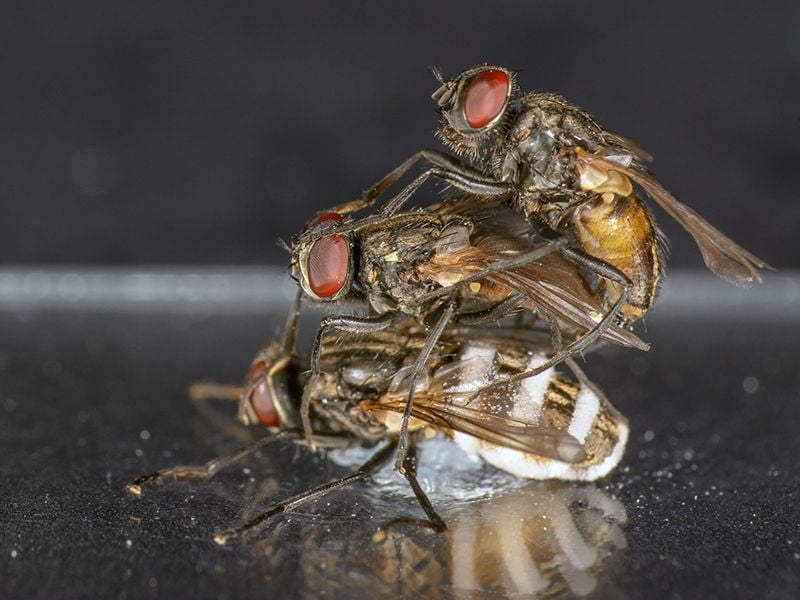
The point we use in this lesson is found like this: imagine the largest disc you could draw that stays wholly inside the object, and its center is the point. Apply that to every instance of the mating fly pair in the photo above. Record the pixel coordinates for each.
(545, 427)
(460, 262)
(570, 178)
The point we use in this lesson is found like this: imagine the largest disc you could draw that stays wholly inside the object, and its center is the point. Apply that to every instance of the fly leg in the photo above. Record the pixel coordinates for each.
(589, 262)
(342, 323)
(492, 315)
(600, 268)
(209, 469)
(452, 171)
(467, 180)
(448, 168)
(580, 374)
(577, 346)
(410, 473)
(603, 269)
(289, 340)
(363, 473)
(201, 393)
(419, 365)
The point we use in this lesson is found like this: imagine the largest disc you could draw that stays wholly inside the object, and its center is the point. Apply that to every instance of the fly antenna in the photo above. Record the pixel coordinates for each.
(437, 72)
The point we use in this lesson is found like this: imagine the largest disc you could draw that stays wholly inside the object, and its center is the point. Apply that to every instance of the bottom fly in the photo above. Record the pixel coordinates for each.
(546, 427)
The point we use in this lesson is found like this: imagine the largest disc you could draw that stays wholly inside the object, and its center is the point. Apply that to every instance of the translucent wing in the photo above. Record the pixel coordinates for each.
(541, 440)
(551, 283)
(722, 255)
(629, 144)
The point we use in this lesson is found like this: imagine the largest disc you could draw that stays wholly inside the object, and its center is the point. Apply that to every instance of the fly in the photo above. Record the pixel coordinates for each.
(463, 261)
(549, 427)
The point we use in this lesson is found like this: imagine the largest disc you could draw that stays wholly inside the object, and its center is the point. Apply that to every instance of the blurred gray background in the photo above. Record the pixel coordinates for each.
(175, 133)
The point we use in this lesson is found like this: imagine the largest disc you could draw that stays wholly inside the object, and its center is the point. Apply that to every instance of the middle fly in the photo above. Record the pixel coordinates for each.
(463, 262)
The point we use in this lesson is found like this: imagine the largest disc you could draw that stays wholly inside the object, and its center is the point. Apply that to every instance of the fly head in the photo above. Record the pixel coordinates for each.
(476, 109)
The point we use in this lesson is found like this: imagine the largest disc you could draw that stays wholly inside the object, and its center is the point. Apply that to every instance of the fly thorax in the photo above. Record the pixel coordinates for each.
(326, 408)
(346, 418)
(537, 146)
(380, 280)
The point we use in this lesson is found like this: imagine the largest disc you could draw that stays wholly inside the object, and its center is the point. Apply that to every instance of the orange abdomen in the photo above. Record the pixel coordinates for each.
(621, 232)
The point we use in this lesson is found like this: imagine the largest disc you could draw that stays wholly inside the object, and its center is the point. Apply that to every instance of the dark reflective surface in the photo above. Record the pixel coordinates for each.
(706, 498)
(537, 539)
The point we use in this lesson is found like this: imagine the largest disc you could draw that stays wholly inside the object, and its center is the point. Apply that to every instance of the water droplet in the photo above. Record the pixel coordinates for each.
(750, 384)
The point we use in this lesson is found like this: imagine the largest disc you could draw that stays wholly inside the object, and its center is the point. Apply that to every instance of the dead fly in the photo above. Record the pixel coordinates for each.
(570, 178)
(464, 261)
(548, 427)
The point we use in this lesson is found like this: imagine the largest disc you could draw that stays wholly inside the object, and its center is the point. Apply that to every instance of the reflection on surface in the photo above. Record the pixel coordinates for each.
(542, 540)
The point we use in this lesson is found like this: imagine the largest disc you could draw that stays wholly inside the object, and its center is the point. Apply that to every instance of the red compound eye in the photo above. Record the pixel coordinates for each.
(328, 265)
(485, 97)
(261, 397)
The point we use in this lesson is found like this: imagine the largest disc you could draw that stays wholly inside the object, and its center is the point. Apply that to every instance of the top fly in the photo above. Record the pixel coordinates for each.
(569, 177)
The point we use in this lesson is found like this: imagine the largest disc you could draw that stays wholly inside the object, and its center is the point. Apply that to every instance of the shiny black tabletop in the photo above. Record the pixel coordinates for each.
(94, 368)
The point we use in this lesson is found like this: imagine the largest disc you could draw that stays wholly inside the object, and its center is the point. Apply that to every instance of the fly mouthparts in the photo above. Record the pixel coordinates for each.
(443, 95)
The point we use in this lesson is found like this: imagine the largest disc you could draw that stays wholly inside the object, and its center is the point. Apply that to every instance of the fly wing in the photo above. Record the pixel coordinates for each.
(722, 255)
(548, 442)
(551, 283)
(628, 143)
